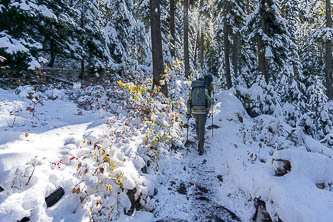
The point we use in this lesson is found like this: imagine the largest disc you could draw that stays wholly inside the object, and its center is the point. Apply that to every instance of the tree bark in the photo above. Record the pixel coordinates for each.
(201, 46)
(263, 66)
(226, 46)
(196, 49)
(172, 27)
(186, 50)
(52, 53)
(201, 43)
(236, 53)
(157, 53)
(328, 56)
(81, 75)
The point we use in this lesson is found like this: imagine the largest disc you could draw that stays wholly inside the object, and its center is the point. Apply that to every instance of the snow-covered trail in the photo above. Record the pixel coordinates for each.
(199, 188)
(238, 171)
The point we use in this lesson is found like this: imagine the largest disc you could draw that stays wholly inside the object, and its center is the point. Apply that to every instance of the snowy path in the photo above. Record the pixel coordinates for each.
(198, 188)
(238, 171)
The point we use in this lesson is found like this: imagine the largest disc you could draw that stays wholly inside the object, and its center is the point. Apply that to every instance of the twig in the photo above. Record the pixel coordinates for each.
(13, 122)
(31, 174)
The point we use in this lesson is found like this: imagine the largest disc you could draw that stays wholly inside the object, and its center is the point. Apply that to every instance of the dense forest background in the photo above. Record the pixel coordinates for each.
(276, 54)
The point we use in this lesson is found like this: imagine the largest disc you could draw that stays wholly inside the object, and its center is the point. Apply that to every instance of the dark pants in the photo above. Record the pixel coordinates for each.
(200, 122)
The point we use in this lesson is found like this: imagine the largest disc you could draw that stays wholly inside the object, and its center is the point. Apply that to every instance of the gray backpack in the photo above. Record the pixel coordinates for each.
(198, 93)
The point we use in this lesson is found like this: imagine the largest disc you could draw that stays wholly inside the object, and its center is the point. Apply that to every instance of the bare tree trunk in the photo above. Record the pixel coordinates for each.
(157, 53)
(186, 50)
(201, 46)
(172, 27)
(226, 46)
(196, 49)
(52, 53)
(328, 56)
(81, 75)
(263, 66)
(202, 34)
(236, 53)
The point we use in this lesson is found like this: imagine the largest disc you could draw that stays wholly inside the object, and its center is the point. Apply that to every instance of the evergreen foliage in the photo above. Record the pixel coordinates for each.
(115, 36)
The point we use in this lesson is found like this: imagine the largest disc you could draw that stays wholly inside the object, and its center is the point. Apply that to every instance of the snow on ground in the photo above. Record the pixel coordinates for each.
(238, 167)
(42, 144)
(250, 164)
(41, 140)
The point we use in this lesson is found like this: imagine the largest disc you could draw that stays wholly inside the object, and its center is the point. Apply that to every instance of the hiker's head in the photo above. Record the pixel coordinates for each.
(208, 79)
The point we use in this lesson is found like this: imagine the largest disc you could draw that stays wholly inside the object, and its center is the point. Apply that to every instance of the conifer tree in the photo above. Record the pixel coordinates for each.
(29, 27)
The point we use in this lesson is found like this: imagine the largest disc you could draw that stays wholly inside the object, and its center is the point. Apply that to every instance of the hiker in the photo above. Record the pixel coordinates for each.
(199, 104)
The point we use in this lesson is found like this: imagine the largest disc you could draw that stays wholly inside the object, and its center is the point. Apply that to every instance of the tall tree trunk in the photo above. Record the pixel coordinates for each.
(81, 75)
(236, 53)
(263, 66)
(186, 50)
(201, 46)
(172, 27)
(196, 49)
(202, 33)
(157, 53)
(226, 45)
(328, 56)
(52, 53)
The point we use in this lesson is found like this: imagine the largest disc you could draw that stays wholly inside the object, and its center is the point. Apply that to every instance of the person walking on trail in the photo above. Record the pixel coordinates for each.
(199, 104)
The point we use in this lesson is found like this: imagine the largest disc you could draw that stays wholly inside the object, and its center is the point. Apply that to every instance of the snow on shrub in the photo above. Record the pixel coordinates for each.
(112, 168)
(260, 98)
(107, 178)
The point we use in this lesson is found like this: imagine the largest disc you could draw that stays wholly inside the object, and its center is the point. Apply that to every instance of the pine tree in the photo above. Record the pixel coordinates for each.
(231, 17)
(125, 35)
(317, 121)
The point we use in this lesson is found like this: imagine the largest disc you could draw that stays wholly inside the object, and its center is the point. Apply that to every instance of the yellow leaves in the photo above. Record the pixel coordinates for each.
(26, 134)
(112, 163)
(108, 187)
(176, 64)
(76, 190)
(119, 178)
(121, 84)
(166, 69)
(132, 89)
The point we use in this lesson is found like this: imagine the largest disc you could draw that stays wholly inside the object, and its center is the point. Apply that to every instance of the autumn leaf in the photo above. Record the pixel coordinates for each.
(101, 169)
(30, 109)
(72, 158)
(108, 187)
(26, 134)
(79, 166)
